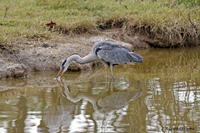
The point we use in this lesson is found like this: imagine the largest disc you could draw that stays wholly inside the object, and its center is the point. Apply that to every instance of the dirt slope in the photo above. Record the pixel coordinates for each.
(47, 56)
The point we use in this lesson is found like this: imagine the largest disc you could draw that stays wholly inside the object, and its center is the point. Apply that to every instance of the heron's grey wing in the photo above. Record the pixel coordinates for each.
(118, 55)
(107, 45)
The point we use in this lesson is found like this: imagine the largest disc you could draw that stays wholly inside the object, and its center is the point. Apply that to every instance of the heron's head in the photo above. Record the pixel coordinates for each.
(63, 68)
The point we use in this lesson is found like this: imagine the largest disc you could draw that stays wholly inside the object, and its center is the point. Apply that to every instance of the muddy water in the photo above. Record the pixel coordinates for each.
(160, 95)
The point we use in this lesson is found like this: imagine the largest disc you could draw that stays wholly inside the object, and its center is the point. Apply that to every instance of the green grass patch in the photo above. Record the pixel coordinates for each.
(28, 18)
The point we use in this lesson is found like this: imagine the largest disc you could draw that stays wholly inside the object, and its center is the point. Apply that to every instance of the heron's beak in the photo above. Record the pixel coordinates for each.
(61, 71)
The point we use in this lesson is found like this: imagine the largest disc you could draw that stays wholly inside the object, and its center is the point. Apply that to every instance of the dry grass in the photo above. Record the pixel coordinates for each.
(26, 19)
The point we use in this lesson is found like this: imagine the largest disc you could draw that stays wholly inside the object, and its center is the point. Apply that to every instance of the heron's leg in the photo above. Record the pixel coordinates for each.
(106, 70)
(111, 86)
(111, 68)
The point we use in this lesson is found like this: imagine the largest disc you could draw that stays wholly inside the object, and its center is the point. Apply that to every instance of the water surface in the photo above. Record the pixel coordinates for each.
(162, 94)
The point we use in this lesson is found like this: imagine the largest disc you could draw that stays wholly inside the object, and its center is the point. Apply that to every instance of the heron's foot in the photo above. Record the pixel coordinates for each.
(59, 78)
(112, 77)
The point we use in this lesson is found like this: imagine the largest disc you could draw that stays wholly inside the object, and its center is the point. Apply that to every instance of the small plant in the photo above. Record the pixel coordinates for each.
(190, 3)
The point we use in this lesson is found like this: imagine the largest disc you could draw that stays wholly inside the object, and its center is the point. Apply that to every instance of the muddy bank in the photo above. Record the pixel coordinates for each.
(47, 56)
(9, 69)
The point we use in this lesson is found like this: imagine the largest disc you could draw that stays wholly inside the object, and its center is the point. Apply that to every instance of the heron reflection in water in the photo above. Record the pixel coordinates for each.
(59, 117)
(109, 53)
(106, 101)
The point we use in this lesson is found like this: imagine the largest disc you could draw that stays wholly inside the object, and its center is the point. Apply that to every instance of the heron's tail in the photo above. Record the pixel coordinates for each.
(136, 58)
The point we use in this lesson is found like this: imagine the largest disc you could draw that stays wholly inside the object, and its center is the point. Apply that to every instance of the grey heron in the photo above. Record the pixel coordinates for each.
(109, 53)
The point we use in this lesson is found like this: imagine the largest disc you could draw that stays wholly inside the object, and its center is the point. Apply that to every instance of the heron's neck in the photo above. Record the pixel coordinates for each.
(86, 59)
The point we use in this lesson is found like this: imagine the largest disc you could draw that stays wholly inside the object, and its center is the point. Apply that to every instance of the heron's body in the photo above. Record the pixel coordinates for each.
(109, 53)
